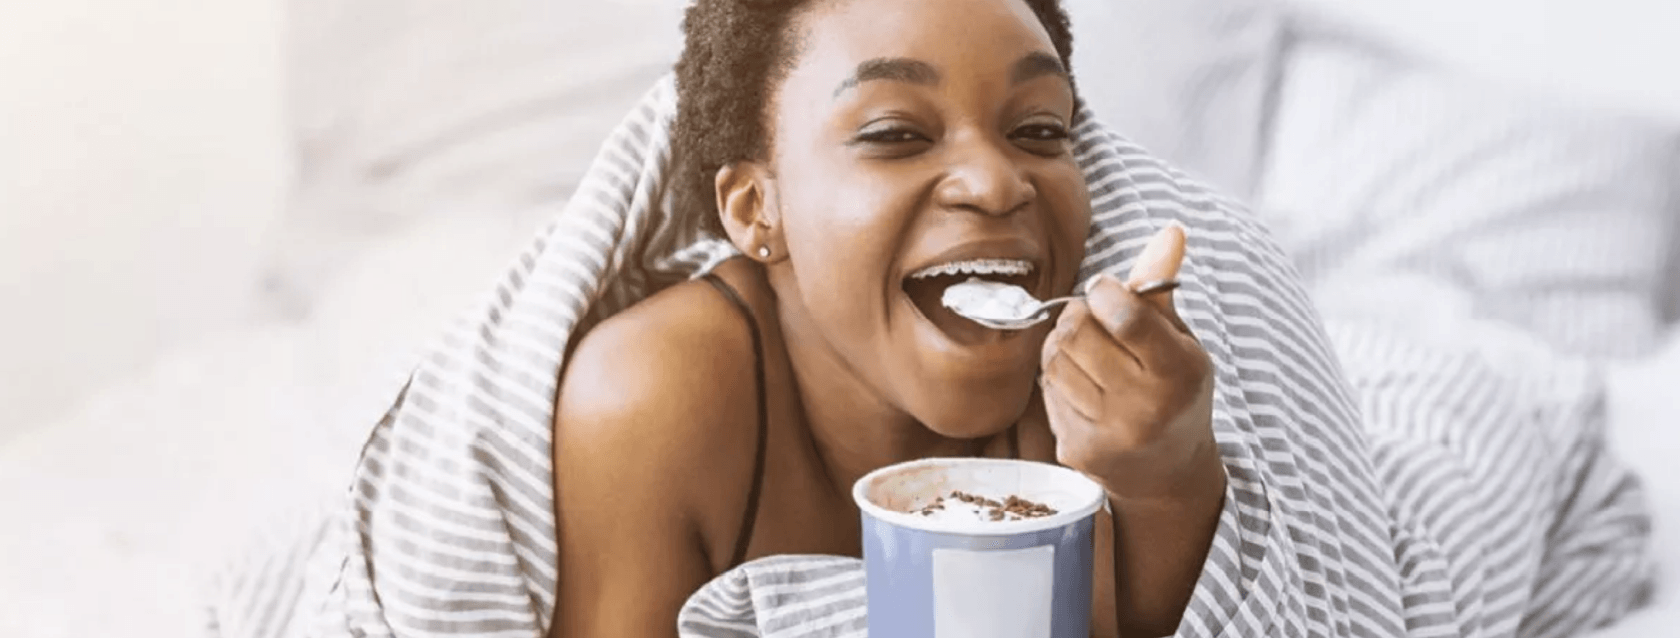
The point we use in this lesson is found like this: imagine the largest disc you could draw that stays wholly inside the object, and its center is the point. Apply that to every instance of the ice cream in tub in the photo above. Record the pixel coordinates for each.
(978, 548)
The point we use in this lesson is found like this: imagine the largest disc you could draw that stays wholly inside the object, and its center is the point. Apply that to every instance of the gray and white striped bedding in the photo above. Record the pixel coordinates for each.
(1472, 499)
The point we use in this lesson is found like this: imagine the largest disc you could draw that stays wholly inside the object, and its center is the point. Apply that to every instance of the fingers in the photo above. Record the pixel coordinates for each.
(1157, 340)
(1069, 428)
(1085, 362)
(1070, 387)
(1160, 258)
(1160, 261)
(1086, 343)
(1062, 374)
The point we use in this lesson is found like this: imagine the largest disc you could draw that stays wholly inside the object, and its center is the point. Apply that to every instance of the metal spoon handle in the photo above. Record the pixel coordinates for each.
(1052, 303)
(1042, 312)
(1159, 285)
(1146, 288)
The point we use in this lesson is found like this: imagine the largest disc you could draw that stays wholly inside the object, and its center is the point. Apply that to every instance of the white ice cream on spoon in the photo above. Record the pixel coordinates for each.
(982, 298)
(1004, 306)
(990, 301)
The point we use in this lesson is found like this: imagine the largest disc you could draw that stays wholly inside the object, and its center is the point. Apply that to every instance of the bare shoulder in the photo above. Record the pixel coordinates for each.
(648, 434)
(657, 404)
(662, 379)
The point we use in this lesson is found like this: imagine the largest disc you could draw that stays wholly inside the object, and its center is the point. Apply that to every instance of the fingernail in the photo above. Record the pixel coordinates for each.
(1154, 250)
(1091, 284)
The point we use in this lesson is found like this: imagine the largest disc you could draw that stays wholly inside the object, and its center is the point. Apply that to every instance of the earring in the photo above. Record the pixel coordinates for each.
(763, 252)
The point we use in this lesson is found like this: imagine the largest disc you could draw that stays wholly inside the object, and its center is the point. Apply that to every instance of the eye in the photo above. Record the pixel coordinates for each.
(891, 135)
(1042, 132)
(1046, 139)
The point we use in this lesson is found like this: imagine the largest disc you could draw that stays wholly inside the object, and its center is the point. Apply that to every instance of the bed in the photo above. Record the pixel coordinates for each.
(123, 507)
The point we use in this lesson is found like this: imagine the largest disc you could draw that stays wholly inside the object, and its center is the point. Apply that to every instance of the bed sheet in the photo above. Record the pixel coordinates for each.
(1645, 429)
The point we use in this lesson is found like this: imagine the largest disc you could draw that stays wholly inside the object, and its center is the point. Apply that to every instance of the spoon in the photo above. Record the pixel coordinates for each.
(1002, 306)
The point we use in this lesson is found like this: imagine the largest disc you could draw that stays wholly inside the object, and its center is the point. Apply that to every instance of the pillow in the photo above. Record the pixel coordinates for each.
(1550, 217)
(1190, 80)
(409, 109)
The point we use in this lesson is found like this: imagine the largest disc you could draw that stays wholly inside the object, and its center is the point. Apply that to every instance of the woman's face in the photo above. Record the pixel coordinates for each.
(916, 138)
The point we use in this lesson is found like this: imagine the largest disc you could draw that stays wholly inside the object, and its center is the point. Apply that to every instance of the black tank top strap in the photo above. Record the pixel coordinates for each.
(749, 517)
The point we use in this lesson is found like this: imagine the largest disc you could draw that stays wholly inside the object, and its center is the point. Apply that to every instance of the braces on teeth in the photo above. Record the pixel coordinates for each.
(976, 267)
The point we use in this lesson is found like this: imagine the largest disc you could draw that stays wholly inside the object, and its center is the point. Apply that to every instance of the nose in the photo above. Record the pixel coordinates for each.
(983, 178)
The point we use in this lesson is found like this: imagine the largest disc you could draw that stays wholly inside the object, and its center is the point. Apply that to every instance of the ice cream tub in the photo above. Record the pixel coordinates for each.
(978, 548)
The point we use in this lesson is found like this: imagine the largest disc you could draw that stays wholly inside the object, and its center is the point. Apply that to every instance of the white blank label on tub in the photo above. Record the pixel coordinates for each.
(997, 594)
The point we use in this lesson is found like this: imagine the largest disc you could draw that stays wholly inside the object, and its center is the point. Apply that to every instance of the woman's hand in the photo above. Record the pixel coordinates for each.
(1129, 395)
(1127, 388)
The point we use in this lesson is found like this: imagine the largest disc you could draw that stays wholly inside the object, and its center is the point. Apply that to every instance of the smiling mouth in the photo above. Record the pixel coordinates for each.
(926, 286)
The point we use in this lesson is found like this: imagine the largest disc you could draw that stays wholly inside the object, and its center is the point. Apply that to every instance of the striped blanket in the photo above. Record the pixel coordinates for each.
(1383, 482)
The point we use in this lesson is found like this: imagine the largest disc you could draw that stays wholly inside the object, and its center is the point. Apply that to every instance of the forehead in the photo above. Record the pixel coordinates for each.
(834, 38)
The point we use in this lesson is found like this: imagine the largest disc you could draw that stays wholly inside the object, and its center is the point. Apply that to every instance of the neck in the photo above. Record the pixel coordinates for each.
(853, 429)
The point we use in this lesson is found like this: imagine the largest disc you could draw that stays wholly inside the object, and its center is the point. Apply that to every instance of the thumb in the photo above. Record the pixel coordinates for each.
(1159, 261)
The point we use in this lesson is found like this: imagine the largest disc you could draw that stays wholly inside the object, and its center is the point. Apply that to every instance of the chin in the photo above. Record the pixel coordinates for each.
(971, 412)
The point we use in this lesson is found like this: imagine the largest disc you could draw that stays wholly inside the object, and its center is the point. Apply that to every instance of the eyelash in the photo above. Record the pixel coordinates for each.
(902, 135)
(891, 135)
(1056, 132)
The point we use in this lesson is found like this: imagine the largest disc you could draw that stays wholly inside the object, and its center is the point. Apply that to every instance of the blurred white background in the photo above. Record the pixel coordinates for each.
(1612, 52)
(141, 160)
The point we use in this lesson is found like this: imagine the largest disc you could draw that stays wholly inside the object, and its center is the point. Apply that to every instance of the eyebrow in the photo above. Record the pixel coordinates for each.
(895, 69)
(1035, 65)
(1029, 67)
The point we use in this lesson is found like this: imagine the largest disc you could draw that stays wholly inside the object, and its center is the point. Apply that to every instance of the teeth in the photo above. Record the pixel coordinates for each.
(976, 267)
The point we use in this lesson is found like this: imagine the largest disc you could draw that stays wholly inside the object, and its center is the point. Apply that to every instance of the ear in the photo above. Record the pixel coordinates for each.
(747, 204)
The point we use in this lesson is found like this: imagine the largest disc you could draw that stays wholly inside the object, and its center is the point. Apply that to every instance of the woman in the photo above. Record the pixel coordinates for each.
(857, 152)
(883, 145)
(889, 146)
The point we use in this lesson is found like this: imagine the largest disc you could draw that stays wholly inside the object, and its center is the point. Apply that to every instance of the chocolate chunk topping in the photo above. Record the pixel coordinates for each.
(1012, 508)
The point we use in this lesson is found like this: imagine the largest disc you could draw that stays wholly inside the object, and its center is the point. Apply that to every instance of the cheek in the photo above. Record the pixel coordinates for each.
(839, 250)
(844, 228)
(1070, 225)
(1073, 197)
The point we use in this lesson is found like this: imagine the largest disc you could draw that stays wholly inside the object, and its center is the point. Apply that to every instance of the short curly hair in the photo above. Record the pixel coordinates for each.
(735, 53)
